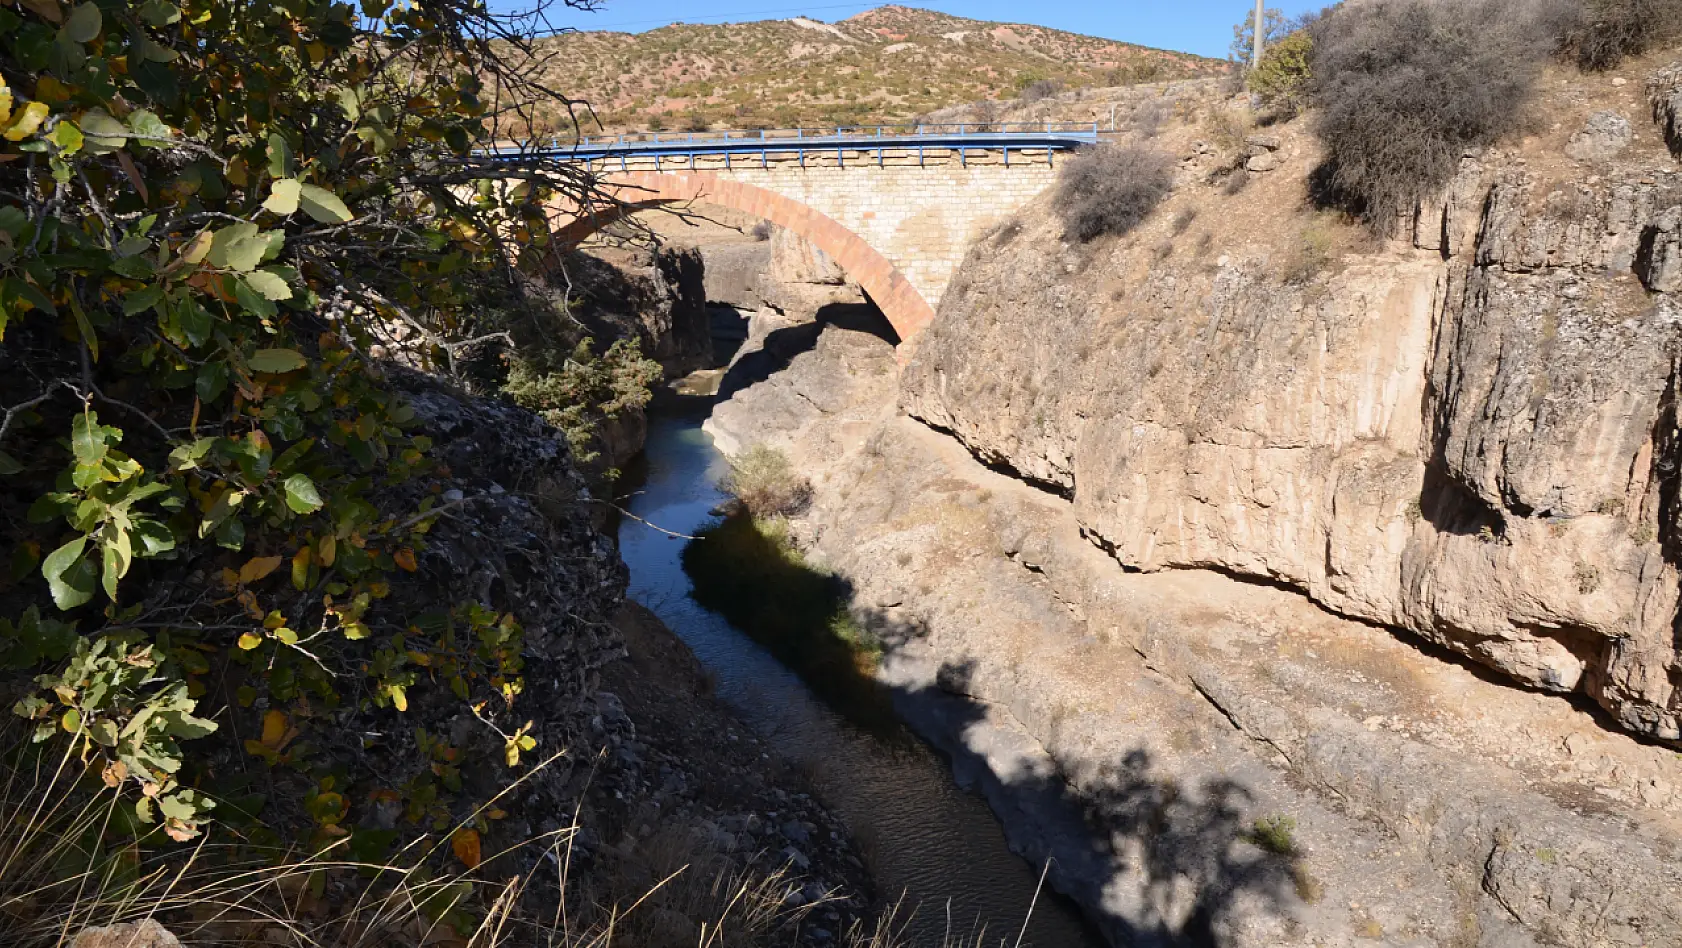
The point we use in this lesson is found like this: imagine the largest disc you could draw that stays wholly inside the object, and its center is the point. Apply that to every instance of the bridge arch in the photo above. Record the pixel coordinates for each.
(899, 300)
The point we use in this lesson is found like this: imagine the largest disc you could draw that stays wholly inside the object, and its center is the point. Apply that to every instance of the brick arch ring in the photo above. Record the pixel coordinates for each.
(899, 301)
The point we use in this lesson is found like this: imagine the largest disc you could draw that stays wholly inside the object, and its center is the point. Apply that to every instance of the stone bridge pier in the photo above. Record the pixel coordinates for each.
(898, 222)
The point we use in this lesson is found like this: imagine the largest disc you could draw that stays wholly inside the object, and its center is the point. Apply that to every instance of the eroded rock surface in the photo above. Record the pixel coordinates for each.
(1473, 439)
(1333, 583)
(1242, 766)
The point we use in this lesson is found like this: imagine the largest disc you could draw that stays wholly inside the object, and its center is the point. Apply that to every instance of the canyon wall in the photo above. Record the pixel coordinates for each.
(1471, 436)
(1282, 586)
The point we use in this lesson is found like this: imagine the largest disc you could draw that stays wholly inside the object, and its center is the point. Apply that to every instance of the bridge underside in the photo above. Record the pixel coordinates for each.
(899, 228)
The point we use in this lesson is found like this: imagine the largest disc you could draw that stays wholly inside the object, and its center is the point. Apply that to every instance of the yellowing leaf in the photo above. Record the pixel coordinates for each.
(327, 550)
(257, 568)
(283, 197)
(465, 844)
(276, 360)
(322, 205)
(47, 9)
(274, 729)
(406, 559)
(399, 697)
(249, 641)
(301, 568)
(5, 104)
(197, 247)
(271, 286)
(26, 122)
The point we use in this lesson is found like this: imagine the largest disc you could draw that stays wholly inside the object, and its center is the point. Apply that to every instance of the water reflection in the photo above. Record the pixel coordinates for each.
(926, 838)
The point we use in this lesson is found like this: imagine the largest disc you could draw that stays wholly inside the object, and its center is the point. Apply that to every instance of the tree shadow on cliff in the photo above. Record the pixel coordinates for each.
(1181, 860)
(781, 346)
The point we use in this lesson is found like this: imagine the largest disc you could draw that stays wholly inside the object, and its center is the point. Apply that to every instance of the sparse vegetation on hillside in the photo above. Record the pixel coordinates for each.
(1404, 88)
(884, 65)
(1111, 188)
(1604, 32)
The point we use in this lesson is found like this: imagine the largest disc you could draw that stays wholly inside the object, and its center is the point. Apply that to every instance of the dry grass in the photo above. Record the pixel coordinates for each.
(65, 866)
(763, 479)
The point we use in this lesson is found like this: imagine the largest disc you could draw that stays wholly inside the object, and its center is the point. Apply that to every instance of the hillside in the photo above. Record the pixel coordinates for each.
(890, 63)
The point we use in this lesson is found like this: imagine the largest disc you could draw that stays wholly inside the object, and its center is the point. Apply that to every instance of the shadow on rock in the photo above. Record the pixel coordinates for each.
(781, 346)
(1155, 862)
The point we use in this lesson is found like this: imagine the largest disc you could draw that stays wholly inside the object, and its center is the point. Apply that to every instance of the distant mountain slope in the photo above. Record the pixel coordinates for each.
(885, 64)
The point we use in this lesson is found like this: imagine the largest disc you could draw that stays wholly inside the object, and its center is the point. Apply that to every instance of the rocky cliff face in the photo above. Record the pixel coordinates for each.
(1290, 589)
(1472, 437)
(655, 297)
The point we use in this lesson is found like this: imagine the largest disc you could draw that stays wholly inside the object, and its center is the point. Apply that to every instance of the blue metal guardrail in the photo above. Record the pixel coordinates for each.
(684, 147)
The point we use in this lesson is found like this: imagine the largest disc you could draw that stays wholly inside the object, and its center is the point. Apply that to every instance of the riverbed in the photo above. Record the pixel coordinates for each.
(932, 847)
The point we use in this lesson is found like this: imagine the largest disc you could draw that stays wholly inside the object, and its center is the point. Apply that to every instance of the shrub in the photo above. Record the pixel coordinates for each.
(1111, 188)
(1605, 32)
(1282, 78)
(765, 482)
(1406, 87)
(578, 391)
(1276, 834)
(1040, 89)
(762, 231)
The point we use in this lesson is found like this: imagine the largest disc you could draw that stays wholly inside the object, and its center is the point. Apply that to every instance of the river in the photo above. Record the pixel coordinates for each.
(931, 843)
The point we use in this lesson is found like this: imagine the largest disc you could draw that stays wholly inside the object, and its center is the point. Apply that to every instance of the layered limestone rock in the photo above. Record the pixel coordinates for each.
(1472, 437)
(1664, 91)
(1205, 760)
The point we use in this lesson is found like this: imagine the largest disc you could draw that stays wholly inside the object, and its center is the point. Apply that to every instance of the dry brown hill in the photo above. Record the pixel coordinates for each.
(886, 64)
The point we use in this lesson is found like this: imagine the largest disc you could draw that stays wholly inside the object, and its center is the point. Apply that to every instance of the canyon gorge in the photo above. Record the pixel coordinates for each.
(1277, 584)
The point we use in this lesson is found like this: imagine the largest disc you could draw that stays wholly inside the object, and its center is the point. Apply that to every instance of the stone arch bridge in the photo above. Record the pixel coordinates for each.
(897, 208)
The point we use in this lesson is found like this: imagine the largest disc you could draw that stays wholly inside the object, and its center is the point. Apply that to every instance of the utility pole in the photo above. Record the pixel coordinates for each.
(1256, 46)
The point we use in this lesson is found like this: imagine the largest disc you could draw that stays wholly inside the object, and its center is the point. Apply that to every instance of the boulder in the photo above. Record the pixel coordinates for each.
(143, 934)
(1602, 138)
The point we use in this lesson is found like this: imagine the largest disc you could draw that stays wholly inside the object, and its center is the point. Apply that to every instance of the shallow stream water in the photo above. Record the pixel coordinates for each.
(930, 844)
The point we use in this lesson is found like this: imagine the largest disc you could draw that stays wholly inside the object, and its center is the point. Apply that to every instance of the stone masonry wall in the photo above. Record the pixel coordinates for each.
(921, 216)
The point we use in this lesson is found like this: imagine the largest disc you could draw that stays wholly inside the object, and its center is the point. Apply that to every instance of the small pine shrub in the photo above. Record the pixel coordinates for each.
(1111, 188)
(765, 482)
(1406, 87)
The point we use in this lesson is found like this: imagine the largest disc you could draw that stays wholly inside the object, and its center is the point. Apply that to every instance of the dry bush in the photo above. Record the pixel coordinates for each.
(1111, 188)
(1605, 32)
(1147, 117)
(766, 483)
(1041, 89)
(985, 113)
(1313, 254)
(1406, 87)
(762, 231)
(1227, 128)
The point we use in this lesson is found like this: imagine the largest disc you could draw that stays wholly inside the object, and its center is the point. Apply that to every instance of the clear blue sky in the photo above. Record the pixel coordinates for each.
(1194, 26)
